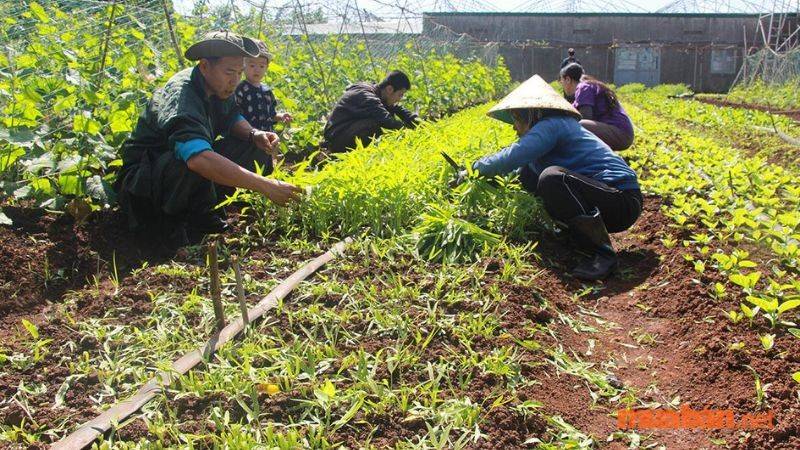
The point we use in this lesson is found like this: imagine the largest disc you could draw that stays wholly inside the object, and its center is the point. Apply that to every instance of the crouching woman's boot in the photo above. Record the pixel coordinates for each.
(591, 231)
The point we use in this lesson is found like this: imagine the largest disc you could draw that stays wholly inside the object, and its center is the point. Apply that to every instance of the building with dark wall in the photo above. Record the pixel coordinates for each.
(704, 51)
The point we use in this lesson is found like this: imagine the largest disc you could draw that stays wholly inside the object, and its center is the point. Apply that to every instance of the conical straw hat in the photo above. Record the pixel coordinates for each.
(533, 93)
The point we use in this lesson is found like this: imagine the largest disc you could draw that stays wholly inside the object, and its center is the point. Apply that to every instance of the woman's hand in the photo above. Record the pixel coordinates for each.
(459, 179)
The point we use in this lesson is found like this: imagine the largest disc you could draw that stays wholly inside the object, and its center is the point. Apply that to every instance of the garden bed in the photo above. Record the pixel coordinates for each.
(650, 328)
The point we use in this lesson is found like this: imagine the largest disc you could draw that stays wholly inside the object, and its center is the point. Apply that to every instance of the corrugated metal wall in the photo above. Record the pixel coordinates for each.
(704, 51)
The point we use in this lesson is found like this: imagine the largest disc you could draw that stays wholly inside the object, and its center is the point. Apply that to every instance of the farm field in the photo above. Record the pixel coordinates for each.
(448, 322)
(386, 348)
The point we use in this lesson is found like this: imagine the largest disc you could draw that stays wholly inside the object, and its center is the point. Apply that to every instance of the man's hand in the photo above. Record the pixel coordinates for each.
(266, 141)
(283, 117)
(280, 192)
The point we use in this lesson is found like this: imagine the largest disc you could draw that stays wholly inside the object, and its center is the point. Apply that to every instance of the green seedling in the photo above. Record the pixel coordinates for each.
(772, 307)
(767, 341)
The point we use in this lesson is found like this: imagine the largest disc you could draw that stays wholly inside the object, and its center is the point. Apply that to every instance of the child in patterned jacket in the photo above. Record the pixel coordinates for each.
(256, 100)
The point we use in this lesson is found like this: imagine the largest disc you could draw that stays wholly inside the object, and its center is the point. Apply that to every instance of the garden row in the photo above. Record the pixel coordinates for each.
(782, 96)
(724, 197)
(736, 216)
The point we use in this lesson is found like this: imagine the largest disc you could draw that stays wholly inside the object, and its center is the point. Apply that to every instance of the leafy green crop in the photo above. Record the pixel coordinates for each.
(443, 236)
(780, 96)
(400, 182)
(722, 195)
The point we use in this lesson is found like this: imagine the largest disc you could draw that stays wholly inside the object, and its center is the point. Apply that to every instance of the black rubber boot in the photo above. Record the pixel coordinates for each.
(591, 231)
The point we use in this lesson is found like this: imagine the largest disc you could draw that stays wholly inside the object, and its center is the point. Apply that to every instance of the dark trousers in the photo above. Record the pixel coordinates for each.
(165, 187)
(613, 137)
(345, 138)
(567, 195)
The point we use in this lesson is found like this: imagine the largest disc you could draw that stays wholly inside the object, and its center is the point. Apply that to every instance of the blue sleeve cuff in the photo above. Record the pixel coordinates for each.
(239, 118)
(185, 150)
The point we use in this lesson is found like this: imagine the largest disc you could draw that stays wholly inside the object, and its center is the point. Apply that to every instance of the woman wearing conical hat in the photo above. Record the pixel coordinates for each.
(582, 182)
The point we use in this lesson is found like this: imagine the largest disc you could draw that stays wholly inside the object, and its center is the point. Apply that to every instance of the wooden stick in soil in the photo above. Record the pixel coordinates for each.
(120, 411)
(237, 270)
(216, 295)
(106, 40)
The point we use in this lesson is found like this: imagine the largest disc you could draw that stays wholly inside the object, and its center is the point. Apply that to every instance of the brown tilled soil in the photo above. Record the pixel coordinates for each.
(43, 257)
(671, 341)
(659, 332)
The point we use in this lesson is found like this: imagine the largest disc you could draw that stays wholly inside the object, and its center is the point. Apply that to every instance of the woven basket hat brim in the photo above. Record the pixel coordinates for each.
(219, 44)
(534, 93)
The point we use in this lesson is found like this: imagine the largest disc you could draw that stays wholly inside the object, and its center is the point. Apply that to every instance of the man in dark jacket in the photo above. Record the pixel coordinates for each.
(365, 110)
(173, 162)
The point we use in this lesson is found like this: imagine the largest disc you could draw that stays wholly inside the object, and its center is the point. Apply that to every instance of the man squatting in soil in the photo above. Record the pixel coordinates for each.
(365, 110)
(173, 165)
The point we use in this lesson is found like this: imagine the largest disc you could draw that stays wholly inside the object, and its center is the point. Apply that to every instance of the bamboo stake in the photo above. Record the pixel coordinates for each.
(120, 411)
(107, 39)
(240, 289)
(261, 19)
(216, 295)
(172, 35)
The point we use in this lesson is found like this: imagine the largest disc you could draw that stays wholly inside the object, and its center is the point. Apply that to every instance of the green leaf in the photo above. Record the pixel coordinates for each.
(34, 332)
(39, 13)
(120, 122)
(767, 305)
(767, 341)
(70, 184)
(746, 281)
(69, 164)
(97, 189)
(796, 376)
(83, 122)
(45, 161)
(788, 305)
(329, 389)
(61, 395)
(348, 416)
(795, 332)
(20, 137)
(8, 158)
(23, 192)
(42, 186)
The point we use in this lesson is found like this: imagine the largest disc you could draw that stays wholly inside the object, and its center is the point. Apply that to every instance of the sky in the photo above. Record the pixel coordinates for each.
(502, 5)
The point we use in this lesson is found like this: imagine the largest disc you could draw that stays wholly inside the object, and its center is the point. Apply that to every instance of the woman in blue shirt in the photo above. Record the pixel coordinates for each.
(584, 185)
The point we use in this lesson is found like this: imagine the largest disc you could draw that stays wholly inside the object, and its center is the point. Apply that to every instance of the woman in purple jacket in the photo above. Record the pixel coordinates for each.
(602, 113)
